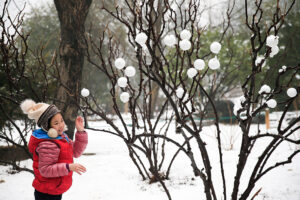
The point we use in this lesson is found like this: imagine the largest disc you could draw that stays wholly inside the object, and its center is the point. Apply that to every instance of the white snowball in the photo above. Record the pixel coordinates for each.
(215, 47)
(85, 92)
(214, 63)
(120, 63)
(170, 40)
(259, 60)
(199, 64)
(274, 51)
(179, 92)
(122, 81)
(291, 92)
(191, 72)
(124, 97)
(130, 71)
(185, 34)
(271, 103)
(283, 67)
(272, 40)
(185, 44)
(265, 89)
(141, 38)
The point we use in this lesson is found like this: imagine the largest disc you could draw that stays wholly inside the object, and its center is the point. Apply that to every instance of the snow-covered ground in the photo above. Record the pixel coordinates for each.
(111, 174)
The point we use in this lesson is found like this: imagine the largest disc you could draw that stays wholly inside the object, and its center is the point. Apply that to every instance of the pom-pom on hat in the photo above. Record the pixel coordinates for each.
(40, 112)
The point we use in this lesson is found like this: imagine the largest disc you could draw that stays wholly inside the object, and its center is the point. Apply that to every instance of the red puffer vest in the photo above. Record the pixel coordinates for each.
(56, 185)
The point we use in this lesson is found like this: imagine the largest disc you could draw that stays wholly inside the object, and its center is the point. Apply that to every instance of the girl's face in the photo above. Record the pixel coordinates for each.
(58, 123)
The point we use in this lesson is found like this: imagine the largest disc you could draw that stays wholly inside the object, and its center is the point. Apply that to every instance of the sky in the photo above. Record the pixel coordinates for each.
(16, 5)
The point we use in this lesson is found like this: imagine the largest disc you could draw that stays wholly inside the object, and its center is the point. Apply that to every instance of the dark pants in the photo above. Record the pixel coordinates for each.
(42, 196)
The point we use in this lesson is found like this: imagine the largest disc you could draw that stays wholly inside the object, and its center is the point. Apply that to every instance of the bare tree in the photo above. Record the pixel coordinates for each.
(166, 67)
(23, 75)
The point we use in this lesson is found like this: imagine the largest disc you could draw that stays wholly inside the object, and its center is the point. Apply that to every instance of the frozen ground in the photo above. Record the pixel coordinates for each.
(111, 175)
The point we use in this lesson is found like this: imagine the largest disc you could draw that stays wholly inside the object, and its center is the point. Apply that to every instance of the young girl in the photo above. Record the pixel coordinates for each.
(52, 150)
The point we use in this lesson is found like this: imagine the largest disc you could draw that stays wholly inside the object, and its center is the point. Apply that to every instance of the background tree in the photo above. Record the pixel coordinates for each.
(72, 16)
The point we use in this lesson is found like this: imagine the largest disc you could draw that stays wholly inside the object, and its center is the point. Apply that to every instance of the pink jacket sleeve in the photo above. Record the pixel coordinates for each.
(81, 140)
(48, 156)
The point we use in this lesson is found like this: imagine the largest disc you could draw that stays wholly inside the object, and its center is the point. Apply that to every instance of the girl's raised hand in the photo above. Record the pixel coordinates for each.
(79, 124)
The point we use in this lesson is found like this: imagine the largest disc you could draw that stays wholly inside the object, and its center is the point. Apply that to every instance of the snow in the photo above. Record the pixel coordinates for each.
(111, 174)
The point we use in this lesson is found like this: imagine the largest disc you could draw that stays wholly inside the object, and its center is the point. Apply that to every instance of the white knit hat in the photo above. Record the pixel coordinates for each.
(33, 110)
(41, 113)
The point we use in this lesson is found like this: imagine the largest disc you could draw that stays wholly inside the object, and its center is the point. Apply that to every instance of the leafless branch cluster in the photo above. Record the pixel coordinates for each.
(161, 67)
(24, 74)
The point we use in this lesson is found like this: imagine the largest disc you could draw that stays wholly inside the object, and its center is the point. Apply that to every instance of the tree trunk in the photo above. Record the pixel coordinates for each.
(72, 15)
(157, 29)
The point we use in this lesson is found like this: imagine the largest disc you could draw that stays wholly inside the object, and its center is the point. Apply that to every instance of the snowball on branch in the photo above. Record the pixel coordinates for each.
(272, 103)
(215, 47)
(214, 63)
(85, 92)
(170, 40)
(185, 44)
(120, 63)
(272, 40)
(141, 38)
(274, 51)
(130, 71)
(122, 82)
(124, 97)
(179, 92)
(264, 89)
(199, 64)
(191, 72)
(259, 59)
(185, 34)
(291, 92)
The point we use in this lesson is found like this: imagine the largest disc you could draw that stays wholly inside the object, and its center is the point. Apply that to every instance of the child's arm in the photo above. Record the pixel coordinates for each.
(81, 140)
(48, 156)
